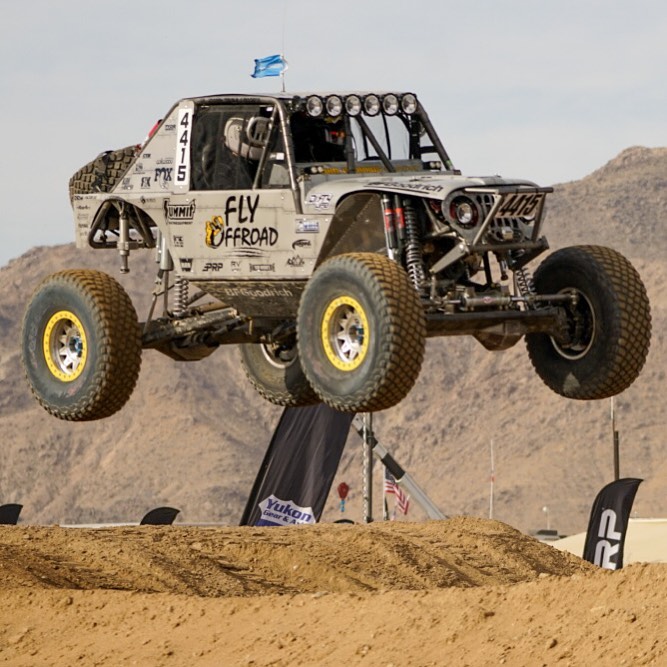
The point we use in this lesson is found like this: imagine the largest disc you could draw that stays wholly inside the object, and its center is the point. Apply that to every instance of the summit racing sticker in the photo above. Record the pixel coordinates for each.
(180, 214)
(276, 512)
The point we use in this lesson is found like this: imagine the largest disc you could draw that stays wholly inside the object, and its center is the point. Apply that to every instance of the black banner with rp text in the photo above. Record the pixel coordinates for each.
(608, 524)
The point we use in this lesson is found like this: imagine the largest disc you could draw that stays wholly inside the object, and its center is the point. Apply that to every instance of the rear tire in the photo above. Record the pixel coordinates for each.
(275, 372)
(361, 332)
(608, 330)
(81, 345)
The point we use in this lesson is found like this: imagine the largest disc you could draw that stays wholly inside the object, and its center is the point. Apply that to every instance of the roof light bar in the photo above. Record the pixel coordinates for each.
(334, 105)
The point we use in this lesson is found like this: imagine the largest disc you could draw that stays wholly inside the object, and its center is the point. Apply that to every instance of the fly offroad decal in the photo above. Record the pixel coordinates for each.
(236, 228)
(183, 134)
(276, 512)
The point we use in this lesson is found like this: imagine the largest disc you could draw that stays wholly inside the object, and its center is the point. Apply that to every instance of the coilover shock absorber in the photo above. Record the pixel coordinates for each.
(525, 285)
(181, 289)
(414, 262)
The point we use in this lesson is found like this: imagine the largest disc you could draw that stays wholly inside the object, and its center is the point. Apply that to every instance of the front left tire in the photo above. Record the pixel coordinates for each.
(81, 345)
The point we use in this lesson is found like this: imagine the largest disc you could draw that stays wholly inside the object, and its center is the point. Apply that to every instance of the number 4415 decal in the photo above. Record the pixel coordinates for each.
(183, 132)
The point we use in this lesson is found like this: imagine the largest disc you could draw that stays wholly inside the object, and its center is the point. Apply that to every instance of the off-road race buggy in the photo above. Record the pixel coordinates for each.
(328, 235)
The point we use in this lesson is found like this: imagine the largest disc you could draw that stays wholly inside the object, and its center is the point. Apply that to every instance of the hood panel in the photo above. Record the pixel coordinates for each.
(332, 188)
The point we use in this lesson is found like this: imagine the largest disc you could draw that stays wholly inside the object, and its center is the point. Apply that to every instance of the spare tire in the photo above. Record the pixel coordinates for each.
(103, 173)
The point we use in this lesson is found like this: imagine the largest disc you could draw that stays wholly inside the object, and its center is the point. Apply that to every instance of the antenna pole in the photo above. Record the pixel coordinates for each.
(282, 53)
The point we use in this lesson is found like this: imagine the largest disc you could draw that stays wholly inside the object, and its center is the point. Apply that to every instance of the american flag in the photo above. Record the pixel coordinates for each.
(391, 486)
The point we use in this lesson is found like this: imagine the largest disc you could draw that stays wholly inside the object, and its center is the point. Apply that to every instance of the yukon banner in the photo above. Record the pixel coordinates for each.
(608, 524)
(299, 467)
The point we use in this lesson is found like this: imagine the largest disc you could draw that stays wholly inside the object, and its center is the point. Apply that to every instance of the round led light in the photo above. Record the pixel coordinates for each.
(334, 105)
(463, 212)
(314, 106)
(390, 104)
(372, 105)
(353, 105)
(409, 103)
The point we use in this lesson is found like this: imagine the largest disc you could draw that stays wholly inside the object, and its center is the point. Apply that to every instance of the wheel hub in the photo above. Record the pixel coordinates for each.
(579, 332)
(279, 355)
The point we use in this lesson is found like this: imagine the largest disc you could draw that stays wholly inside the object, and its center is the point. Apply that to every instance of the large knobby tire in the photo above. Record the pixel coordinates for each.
(103, 173)
(361, 332)
(81, 345)
(275, 372)
(608, 329)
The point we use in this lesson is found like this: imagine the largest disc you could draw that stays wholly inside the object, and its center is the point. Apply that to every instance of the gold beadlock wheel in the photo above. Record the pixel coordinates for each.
(65, 346)
(81, 345)
(345, 333)
(361, 332)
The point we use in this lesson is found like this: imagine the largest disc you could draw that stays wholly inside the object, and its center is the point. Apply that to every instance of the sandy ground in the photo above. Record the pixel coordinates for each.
(457, 592)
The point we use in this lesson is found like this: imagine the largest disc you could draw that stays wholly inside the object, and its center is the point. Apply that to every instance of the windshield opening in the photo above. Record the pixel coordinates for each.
(363, 143)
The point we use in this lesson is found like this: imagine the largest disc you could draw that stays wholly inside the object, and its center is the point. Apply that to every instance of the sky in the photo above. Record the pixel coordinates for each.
(548, 91)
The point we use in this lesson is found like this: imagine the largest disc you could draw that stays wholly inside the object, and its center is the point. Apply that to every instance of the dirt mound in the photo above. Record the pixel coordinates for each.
(338, 558)
(458, 592)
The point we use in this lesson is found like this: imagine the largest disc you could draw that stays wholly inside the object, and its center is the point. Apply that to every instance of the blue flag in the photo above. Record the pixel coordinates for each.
(269, 66)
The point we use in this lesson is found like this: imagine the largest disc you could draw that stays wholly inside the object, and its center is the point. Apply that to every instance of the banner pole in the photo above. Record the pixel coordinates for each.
(368, 439)
(402, 477)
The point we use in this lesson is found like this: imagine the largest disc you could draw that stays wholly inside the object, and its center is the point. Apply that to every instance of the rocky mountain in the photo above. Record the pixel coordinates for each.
(193, 434)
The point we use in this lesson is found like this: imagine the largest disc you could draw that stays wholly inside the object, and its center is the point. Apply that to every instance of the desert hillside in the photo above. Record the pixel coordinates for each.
(193, 435)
